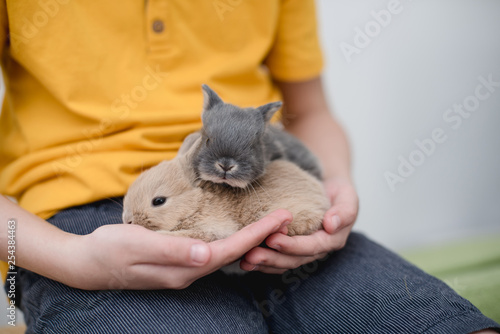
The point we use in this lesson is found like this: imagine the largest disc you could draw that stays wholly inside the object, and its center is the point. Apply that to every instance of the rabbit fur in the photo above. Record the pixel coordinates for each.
(208, 211)
(238, 143)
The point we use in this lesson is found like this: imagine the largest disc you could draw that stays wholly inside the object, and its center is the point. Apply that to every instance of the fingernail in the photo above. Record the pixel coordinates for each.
(285, 223)
(199, 253)
(335, 222)
(254, 267)
(277, 247)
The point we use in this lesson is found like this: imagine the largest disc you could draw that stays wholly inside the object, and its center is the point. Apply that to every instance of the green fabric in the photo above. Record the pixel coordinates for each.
(471, 268)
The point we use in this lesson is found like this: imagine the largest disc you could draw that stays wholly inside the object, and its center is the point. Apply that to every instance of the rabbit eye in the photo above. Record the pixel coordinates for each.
(207, 141)
(157, 201)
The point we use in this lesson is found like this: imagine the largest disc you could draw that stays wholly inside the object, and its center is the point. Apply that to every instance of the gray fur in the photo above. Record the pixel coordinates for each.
(238, 143)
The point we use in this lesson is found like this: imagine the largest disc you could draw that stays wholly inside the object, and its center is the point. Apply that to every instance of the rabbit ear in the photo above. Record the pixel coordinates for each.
(187, 153)
(268, 110)
(210, 98)
(188, 149)
(188, 143)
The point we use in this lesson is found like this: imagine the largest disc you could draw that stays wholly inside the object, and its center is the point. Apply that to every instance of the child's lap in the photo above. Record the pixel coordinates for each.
(363, 288)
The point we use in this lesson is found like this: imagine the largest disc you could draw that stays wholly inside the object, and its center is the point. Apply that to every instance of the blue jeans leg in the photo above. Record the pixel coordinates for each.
(210, 305)
(364, 288)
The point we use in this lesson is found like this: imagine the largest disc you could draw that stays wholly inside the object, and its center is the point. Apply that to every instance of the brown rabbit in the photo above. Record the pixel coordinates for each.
(169, 199)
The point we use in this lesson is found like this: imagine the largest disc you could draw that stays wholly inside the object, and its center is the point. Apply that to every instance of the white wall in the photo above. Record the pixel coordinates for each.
(396, 90)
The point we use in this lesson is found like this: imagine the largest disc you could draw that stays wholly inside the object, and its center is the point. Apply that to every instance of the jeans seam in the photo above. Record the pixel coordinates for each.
(467, 312)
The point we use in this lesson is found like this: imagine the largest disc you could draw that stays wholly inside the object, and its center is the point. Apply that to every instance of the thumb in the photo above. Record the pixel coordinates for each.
(343, 213)
(232, 248)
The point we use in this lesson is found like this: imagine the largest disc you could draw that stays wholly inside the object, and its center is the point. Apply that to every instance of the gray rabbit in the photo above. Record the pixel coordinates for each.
(238, 143)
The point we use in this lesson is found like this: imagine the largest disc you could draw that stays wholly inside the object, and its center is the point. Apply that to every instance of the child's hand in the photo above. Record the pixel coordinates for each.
(292, 252)
(132, 257)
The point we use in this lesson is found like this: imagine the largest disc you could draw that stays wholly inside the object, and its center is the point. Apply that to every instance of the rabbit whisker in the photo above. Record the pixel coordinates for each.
(264, 189)
(115, 201)
(256, 194)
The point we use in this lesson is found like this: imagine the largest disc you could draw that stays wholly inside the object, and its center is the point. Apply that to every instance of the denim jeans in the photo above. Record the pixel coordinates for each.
(363, 288)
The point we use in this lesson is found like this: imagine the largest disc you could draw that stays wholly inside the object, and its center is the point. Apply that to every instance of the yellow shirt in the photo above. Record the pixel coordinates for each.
(97, 91)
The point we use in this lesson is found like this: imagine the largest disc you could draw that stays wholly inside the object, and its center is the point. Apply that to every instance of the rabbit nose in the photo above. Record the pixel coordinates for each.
(226, 164)
(226, 168)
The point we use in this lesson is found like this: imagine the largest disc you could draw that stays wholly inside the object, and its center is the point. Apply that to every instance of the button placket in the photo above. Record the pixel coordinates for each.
(157, 32)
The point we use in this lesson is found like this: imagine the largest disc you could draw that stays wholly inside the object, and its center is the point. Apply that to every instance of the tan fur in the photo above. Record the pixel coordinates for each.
(209, 211)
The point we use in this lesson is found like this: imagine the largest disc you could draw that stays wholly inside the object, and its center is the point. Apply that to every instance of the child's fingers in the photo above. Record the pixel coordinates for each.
(233, 247)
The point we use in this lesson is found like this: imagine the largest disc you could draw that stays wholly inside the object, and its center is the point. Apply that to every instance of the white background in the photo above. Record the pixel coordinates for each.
(396, 91)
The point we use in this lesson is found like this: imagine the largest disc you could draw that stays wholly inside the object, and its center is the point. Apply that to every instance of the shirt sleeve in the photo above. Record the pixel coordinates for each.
(296, 54)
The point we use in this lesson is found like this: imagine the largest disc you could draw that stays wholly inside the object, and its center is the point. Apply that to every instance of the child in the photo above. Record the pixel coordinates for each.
(98, 91)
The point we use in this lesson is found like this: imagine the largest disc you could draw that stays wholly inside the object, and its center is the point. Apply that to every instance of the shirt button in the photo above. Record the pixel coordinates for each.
(158, 26)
